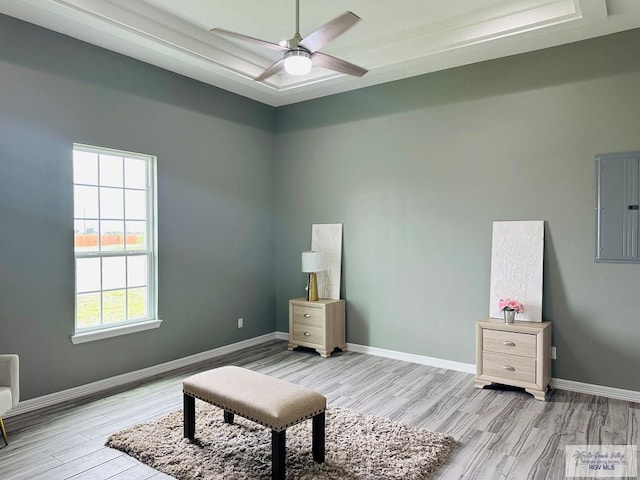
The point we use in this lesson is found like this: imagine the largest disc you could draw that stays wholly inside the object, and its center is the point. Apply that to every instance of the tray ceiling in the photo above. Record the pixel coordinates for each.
(394, 40)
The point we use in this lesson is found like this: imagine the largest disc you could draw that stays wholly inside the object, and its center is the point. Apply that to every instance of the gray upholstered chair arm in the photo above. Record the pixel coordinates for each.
(9, 375)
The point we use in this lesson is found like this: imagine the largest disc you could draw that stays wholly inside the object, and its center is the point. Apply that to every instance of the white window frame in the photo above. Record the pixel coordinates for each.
(88, 334)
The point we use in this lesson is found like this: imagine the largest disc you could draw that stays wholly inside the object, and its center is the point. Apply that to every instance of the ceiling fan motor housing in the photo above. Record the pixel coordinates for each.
(297, 61)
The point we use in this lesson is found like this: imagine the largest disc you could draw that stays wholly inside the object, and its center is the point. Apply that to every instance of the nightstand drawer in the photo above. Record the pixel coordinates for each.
(512, 367)
(308, 315)
(511, 343)
(308, 334)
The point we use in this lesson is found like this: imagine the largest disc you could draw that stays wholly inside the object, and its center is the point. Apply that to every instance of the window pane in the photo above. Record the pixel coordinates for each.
(135, 173)
(111, 203)
(112, 235)
(113, 273)
(136, 235)
(85, 202)
(88, 310)
(135, 202)
(137, 303)
(85, 235)
(87, 274)
(137, 271)
(85, 167)
(114, 305)
(110, 171)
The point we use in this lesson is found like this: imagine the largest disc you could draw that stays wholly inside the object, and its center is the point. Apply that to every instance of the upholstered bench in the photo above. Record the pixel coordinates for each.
(268, 401)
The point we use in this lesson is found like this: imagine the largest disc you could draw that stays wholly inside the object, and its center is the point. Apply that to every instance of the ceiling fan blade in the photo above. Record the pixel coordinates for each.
(332, 63)
(323, 35)
(256, 41)
(272, 70)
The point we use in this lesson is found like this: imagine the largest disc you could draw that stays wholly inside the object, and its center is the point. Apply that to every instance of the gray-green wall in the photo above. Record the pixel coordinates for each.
(417, 170)
(215, 205)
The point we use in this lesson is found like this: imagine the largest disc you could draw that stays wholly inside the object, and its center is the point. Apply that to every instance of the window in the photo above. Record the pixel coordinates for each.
(114, 240)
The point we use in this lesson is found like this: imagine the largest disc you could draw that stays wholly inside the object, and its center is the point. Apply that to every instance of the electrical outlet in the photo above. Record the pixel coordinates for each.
(553, 353)
(240, 323)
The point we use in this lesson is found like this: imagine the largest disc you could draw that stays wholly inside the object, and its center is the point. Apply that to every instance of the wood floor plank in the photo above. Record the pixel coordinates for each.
(535, 456)
(79, 450)
(108, 469)
(138, 472)
(502, 433)
(469, 457)
(28, 467)
(77, 466)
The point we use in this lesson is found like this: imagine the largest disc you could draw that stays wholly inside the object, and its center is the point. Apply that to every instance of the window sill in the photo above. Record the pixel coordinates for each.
(114, 332)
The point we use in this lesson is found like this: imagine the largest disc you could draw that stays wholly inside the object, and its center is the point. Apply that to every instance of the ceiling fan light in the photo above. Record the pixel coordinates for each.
(297, 62)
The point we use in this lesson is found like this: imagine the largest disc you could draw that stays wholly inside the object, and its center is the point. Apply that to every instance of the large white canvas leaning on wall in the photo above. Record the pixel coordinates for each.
(516, 267)
(327, 238)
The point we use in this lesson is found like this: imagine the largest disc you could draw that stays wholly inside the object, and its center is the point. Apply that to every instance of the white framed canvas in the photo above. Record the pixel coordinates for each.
(516, 267)
(327, 238)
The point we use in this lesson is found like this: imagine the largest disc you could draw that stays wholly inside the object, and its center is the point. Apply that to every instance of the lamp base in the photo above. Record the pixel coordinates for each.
(312, 289)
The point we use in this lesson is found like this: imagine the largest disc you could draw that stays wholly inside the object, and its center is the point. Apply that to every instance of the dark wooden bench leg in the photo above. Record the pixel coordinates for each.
(317, 429)
(278, 454)
(189, 409)
(228, 417)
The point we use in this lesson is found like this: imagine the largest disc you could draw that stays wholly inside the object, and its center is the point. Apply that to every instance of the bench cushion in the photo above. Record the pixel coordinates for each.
(271, 402)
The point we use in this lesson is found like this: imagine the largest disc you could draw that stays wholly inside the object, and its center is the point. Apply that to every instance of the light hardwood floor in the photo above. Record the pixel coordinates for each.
(502, 434)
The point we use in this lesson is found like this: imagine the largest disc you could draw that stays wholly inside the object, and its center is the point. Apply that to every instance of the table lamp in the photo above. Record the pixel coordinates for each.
(313, 262)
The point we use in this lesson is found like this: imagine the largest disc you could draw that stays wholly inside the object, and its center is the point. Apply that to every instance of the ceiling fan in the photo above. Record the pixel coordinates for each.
(300, 54)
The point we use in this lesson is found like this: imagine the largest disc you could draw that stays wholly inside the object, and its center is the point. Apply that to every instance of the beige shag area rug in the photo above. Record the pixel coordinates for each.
(357, 447)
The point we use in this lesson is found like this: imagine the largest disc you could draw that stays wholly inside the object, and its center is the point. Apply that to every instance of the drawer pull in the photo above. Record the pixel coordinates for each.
(307, 334)
(508, 367)
(306, 315)
(509, 344)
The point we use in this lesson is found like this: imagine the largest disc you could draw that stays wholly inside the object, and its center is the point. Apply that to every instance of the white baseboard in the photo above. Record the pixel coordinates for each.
(407, 357)
(600, 390)
(126, 378)
(138, 375)
(413, 358)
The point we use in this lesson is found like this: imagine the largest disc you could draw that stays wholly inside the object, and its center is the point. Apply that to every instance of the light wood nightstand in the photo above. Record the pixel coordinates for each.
(318, 325)
(517, 354)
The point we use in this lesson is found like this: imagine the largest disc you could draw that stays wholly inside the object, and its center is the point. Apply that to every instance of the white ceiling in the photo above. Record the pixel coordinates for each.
(394, 40)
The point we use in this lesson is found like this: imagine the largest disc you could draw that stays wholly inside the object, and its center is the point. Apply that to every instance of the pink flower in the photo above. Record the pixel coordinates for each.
(510, 304)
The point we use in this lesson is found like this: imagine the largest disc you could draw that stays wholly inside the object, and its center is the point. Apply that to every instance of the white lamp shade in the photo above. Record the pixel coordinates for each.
(297, 62)
(313, 261)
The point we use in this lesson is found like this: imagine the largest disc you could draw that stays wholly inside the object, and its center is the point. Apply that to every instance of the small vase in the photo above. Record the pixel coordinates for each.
(509, 316)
